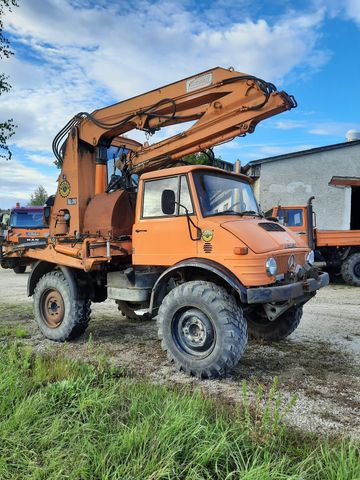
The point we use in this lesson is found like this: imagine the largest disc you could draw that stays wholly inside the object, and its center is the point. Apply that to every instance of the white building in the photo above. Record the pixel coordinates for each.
(331, 174)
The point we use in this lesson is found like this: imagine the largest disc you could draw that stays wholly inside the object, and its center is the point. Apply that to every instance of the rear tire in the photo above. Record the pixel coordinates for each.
(260, 327)
(350, 270)
(19, 269)
(202, 329)
(60, 315)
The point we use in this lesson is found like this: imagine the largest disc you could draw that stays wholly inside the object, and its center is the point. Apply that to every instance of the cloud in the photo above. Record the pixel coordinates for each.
(85, 56)
(349, 9)
(274, 150)
(289, 124)
(47, 160)
(18, 181)
(337, 129)
(263, 151)
(352, 9)
(331, 129)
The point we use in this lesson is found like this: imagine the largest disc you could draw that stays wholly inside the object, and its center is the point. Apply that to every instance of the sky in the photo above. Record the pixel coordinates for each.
(80, 55)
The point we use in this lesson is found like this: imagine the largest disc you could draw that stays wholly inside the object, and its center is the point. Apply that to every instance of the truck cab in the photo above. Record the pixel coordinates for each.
(295, 218)
(337, 251)
(203, 212)
(26, 226)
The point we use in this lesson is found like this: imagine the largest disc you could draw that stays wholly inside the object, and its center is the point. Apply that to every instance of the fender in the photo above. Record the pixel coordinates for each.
(199, 263)
(40, 268)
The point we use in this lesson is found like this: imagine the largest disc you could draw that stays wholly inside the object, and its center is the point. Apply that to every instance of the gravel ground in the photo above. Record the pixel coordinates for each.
(319, 362)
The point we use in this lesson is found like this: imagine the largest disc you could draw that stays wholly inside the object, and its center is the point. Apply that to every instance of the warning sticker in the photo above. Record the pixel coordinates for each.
(201, 81)
(64, 188)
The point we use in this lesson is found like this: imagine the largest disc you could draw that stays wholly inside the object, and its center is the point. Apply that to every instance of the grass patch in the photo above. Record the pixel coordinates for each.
(16, 308)
(17, 332)
(60, 419)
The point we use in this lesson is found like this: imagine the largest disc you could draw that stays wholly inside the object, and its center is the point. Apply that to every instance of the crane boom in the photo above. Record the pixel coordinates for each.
(222, 103)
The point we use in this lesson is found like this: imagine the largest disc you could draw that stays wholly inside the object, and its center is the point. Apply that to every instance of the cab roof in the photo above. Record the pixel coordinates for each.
(27, 209)
(183, 169)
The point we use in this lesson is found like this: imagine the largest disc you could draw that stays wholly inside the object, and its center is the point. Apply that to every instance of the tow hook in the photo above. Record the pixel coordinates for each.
(306, 286)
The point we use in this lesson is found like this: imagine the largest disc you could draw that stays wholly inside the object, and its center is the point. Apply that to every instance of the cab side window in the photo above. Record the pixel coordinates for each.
(153, 189)
(185, 198)
(291, 218)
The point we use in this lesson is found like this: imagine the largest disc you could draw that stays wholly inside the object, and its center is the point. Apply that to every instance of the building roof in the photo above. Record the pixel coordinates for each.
(301, 153)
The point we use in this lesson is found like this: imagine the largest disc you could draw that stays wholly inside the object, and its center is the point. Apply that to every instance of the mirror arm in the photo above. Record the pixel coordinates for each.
(190, 221)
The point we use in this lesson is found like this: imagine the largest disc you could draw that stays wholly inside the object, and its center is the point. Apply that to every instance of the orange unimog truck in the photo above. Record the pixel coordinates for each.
(338, 251)
(24, 226)
(187, 244)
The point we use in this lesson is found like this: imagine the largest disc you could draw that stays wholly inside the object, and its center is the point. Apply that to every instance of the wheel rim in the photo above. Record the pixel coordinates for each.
(52, 308)
(193, 332)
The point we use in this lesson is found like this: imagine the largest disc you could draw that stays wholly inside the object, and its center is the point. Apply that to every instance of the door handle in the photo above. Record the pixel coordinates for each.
(301, 233)
(139, 231)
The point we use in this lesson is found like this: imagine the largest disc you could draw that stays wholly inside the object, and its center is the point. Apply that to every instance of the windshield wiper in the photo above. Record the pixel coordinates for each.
(250, 212)
(225, 212)
(233, 212)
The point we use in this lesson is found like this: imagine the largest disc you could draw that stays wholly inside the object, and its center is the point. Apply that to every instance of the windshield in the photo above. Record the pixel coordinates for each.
(221, 194)
(27, 219)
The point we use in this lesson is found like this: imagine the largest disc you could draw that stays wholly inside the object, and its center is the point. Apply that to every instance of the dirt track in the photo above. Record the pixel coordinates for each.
(320, 362)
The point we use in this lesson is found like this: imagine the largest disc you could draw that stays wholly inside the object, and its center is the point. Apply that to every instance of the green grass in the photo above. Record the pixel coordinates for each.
(60, 419)
(13, 331)
(16, 308)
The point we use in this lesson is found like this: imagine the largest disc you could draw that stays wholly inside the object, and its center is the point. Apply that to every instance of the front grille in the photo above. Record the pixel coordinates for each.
(207, 247)
(283, 261)
(271, 227)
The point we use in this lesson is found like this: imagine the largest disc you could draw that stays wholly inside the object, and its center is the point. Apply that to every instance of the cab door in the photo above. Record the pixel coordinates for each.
(160, 239)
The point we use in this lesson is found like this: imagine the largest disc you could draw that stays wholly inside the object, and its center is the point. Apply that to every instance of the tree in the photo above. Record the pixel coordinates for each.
(39, 196)
(7, 127)
(202, 158)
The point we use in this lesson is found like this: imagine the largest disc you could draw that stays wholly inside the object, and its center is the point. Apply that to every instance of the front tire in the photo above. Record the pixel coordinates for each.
(350, 270)
(261, 328)
(60, 315)
(202, 329)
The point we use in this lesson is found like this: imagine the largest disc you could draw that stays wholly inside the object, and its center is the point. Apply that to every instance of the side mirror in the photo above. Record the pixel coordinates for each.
(168, 202)
(47, 213)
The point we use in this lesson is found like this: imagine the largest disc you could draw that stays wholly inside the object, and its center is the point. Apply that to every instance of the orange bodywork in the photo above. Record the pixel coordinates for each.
(322, 238)
(90, 226)
(25, 228)
(165, 241)
(337, 238)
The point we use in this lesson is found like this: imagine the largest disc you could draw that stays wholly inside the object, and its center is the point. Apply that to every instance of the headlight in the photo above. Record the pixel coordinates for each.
(271, 266)
(310, 257)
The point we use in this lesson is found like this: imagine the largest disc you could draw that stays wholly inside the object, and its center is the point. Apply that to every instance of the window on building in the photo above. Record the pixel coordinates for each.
(153, 191)
(355, 208)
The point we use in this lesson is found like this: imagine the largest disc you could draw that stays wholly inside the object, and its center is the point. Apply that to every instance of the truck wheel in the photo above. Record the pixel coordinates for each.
(20, 269)
(260, 327)
(59, 315)
(350, 270)
(202, 329)
(127, 309)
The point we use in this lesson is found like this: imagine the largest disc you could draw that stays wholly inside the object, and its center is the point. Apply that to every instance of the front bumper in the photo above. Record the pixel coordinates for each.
(287, 292)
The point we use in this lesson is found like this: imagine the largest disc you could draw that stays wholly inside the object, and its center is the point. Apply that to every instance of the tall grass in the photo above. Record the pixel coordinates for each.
(60, 419)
